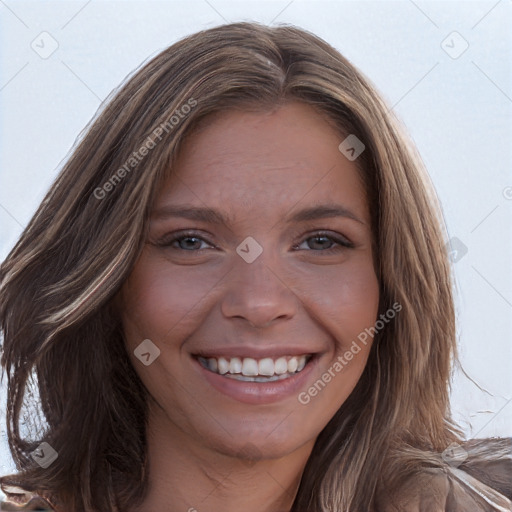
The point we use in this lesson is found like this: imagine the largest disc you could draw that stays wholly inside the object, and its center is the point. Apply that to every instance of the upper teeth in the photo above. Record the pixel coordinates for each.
(253, 367)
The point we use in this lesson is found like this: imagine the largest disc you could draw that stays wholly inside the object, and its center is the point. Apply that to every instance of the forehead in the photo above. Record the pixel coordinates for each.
(260, 163)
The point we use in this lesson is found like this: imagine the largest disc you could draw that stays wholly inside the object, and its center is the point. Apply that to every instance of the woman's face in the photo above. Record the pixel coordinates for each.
(258, 261)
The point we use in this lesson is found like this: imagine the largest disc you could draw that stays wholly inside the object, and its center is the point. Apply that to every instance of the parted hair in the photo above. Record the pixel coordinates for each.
(63, 345)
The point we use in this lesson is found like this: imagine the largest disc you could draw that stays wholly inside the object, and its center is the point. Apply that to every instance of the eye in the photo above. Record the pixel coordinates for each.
(325, 242)
(185, 242)
(191, 242)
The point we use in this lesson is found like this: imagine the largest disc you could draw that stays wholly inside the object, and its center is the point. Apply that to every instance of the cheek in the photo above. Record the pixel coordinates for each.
(346, 301)
(157, 299)
(344, 298)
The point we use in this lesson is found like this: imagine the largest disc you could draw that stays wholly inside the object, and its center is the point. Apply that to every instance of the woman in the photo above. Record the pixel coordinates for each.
(236, 296)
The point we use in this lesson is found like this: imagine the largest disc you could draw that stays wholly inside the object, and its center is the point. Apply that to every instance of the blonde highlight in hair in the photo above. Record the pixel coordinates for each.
(59, 282)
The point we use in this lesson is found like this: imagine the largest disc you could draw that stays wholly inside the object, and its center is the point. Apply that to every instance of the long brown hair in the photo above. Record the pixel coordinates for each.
(62, 334)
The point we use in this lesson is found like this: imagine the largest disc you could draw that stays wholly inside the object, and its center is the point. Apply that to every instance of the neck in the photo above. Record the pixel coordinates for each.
(186, 476)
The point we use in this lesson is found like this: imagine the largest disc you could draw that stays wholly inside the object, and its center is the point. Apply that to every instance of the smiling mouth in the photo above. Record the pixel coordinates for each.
(248, 369)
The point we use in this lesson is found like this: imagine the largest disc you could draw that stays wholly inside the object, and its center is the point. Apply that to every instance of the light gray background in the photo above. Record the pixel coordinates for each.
(458, 111)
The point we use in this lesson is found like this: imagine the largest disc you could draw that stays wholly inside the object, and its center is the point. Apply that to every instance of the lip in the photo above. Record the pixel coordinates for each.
(256, 352)
(258, 393)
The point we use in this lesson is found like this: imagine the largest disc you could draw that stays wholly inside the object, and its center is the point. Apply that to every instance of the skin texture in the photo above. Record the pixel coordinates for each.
(208, 451)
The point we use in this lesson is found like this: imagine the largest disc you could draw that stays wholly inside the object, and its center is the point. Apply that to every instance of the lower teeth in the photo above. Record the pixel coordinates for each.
(244, 378)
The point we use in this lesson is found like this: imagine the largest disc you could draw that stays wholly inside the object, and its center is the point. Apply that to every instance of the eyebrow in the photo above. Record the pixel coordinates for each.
(212, 216)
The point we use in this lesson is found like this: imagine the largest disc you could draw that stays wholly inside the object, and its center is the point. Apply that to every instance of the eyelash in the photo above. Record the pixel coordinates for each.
(167, 240)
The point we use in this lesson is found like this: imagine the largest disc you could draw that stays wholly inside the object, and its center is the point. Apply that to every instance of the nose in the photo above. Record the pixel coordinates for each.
(258, 294)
